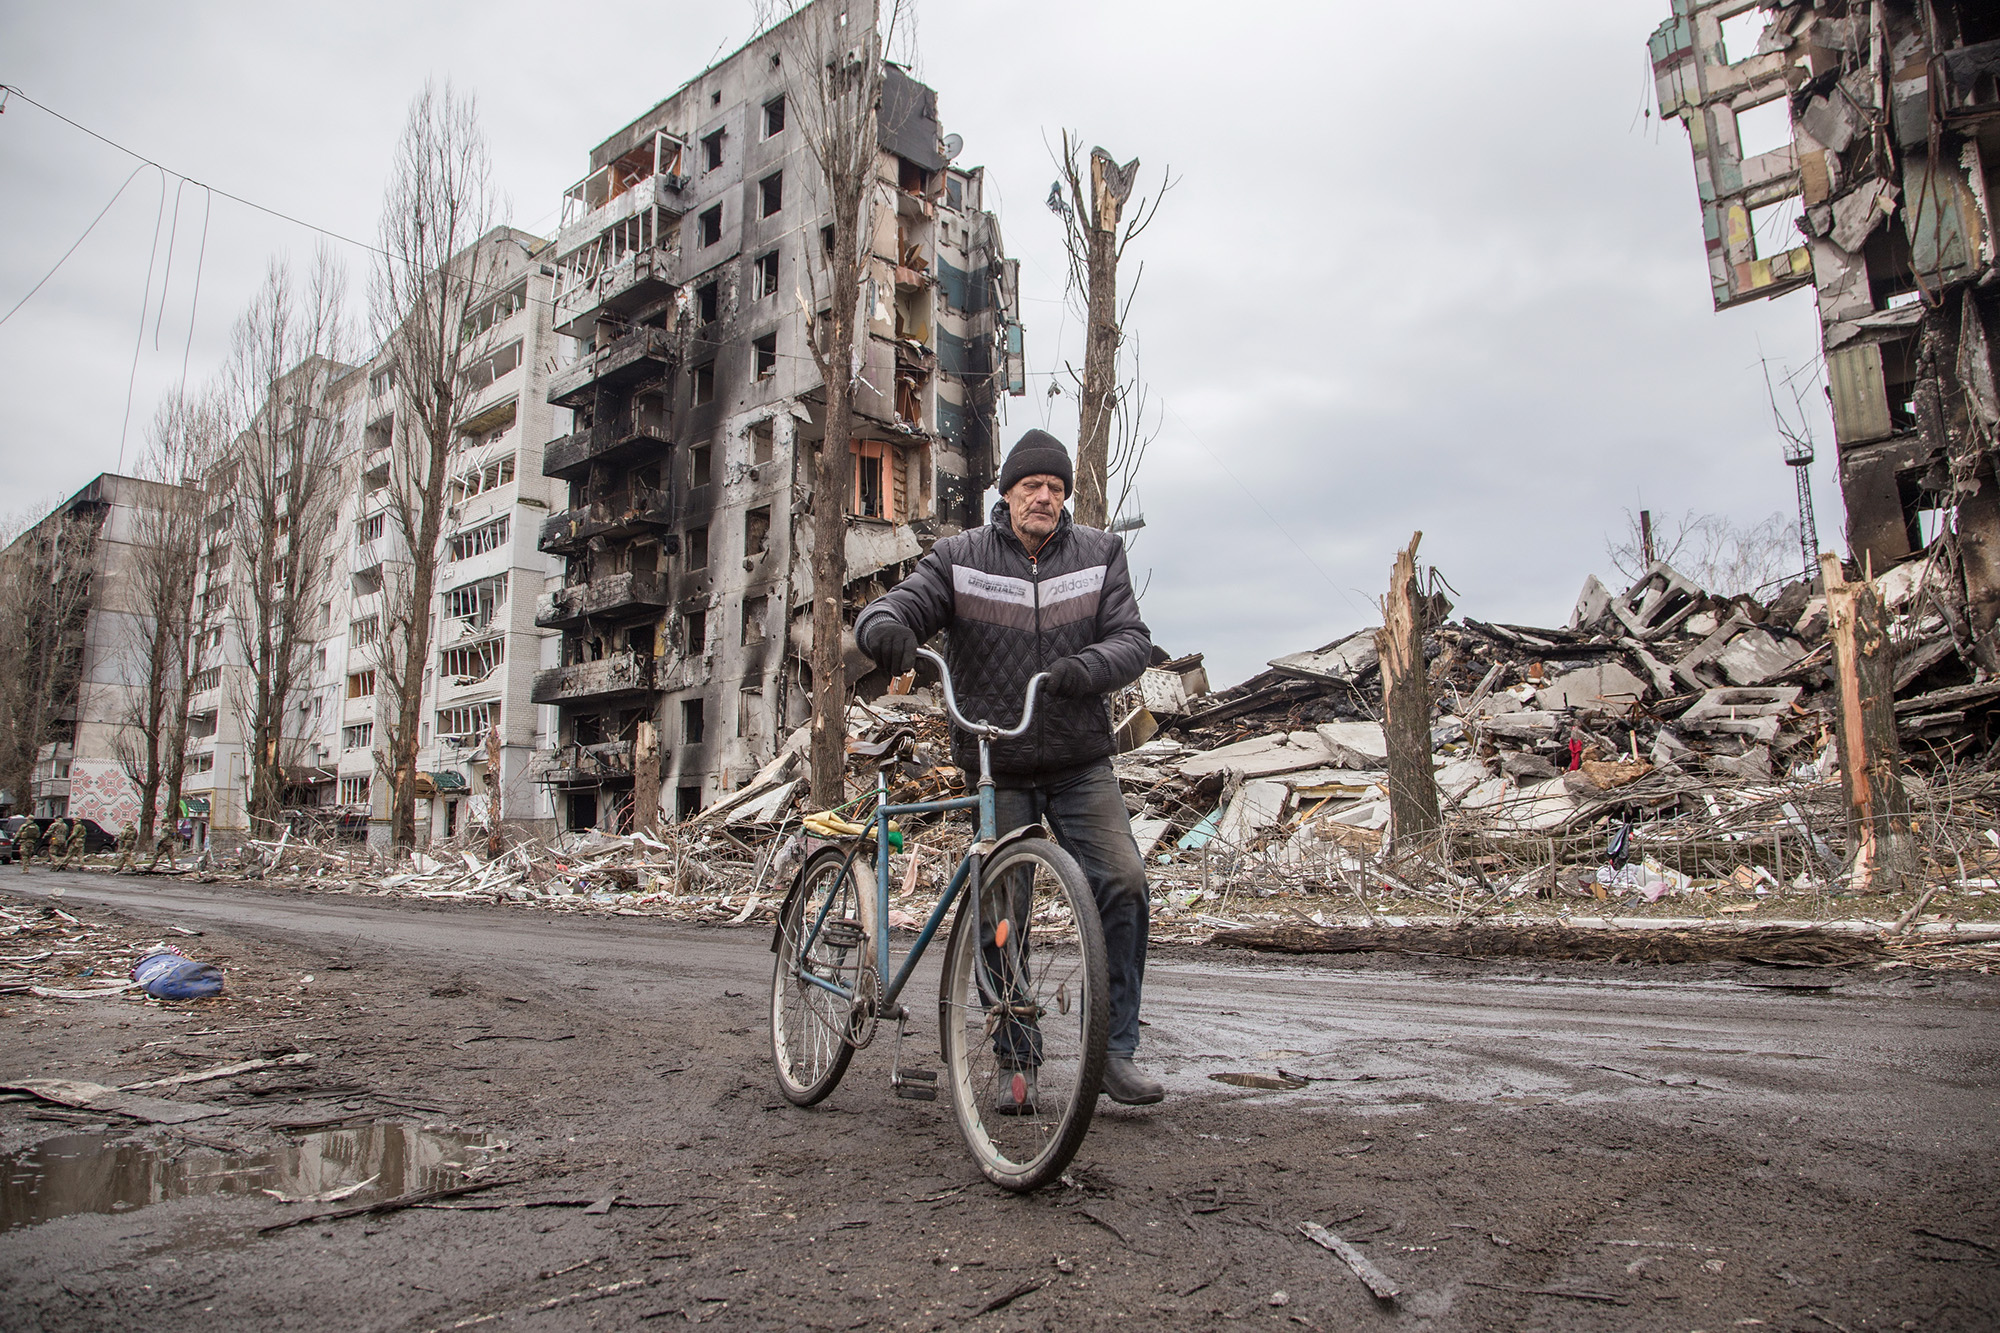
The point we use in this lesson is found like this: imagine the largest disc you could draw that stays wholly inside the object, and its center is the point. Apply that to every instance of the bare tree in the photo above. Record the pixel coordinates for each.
(430, 274)
(45, 591)
(164, 645)
(1711, 550)
(835, 70)
(281, 468)
(1095, 234)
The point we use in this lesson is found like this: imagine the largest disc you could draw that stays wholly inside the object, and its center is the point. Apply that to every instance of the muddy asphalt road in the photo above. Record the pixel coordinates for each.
(1515, 1147)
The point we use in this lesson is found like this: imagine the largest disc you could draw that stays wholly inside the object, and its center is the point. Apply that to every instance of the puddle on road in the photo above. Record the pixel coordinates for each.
(116, 1173)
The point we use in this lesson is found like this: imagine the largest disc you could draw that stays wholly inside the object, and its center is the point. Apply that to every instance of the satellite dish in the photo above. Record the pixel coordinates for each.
(953, 146)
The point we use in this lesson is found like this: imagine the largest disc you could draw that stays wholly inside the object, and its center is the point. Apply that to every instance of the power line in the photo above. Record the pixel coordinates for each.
(234, 198)
(79, 241)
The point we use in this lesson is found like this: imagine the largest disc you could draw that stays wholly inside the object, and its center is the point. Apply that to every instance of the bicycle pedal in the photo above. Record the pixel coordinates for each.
(917, 1085)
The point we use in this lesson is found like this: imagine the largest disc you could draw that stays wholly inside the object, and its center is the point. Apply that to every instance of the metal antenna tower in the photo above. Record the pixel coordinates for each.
(1798, 457)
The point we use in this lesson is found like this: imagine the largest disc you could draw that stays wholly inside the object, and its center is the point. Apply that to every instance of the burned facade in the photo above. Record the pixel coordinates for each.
(688, 261)
(1854, 146)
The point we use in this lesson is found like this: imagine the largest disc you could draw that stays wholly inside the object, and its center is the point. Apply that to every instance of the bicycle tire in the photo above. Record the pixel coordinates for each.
(1053, 965)
(810, 1027)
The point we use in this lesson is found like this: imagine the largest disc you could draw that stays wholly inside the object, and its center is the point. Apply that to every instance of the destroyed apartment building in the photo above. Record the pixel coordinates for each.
(685, 265)
(1854, 146)
(486, 648)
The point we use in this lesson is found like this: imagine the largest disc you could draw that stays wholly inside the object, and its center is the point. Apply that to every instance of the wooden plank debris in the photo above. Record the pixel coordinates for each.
(1372, 1277)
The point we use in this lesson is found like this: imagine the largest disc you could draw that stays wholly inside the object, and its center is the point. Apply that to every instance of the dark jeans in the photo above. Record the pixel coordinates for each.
(1086, 812)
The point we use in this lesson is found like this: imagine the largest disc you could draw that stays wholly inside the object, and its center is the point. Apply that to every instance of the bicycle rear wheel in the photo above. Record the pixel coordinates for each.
(819, 935)
(1024, 1010)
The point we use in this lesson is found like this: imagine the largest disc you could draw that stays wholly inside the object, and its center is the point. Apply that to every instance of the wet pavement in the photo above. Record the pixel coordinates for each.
(1588, 1147)
(117, 1171)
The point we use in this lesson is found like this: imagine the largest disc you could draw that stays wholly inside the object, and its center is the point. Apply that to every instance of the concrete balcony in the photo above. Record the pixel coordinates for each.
(639, 279)
(626, 437)
(624, 514)
(620, 675)
(585, 765)
(612, 595)
(646, 353)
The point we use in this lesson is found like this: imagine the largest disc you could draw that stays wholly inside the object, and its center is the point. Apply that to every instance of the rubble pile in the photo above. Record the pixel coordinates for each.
(1665, 742)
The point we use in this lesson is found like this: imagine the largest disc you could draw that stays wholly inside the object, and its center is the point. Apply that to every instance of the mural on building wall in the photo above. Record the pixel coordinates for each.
(99, 790)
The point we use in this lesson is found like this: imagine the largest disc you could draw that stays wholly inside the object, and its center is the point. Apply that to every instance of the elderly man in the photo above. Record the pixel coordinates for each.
(1027, 593)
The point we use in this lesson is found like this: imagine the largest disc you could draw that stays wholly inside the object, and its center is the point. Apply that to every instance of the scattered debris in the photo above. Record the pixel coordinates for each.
(1371, 1276)
(112, 1101)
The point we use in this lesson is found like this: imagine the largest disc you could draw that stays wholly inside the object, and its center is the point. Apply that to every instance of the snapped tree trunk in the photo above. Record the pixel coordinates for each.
(1406, 704)
(830, 482)
(1110, 186)
(1878, 809)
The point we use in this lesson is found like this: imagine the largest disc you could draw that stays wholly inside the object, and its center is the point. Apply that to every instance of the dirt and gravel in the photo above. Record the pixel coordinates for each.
(1515, 1144)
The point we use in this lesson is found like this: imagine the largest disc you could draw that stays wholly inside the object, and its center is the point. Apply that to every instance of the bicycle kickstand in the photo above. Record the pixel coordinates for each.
(917, 1085)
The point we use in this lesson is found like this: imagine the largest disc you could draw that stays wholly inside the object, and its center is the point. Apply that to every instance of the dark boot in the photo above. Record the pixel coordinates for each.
(1124, 1084)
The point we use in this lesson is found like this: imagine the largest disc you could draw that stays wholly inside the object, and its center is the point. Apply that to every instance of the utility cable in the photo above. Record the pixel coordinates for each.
(139, 341)
(79, 241)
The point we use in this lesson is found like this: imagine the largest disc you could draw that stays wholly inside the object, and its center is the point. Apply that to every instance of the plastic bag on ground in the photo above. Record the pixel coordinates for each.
(172, 975)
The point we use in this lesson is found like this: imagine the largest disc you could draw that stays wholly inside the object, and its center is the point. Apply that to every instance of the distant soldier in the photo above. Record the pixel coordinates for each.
(25, 839)
(164, 847)
(128, 845)
(79, 845)
(55, 840)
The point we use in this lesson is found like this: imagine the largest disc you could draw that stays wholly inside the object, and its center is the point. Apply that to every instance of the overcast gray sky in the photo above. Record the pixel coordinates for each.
(1427, 267)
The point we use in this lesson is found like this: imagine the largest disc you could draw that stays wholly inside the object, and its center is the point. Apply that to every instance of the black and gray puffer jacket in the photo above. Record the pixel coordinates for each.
(1010, 616)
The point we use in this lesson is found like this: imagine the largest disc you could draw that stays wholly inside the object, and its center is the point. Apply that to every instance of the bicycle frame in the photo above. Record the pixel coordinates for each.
(968, 869)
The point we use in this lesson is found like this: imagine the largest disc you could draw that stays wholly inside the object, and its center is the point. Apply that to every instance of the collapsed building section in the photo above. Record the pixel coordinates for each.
(1854, 145)
(687, 265)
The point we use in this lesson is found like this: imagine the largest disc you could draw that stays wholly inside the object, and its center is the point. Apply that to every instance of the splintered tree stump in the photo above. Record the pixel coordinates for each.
(1406, 703)
(1878, 809)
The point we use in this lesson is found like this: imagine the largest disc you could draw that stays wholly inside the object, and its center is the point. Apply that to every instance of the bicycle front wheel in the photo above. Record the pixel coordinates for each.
(1024, 1010)
(820, 939)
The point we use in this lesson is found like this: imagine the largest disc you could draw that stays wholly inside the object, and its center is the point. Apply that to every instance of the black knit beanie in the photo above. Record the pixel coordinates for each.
(1037, 454)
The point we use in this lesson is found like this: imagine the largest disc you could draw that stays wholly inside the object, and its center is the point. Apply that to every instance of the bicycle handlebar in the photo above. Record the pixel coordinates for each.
(990, 730)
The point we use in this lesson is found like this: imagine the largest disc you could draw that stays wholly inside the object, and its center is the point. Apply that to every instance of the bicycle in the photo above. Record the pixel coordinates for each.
(1024, 1001)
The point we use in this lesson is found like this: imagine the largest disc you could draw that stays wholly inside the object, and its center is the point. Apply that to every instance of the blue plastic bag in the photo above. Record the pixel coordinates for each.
(172, 975)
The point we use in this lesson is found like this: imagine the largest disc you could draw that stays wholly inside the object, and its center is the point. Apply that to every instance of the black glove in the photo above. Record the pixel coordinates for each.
(893, 645)
(1068, 678)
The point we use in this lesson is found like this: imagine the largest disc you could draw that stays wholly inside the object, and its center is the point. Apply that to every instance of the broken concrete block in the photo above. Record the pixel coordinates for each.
(1355, 744)
(1339, 784)
(1659, 601)
(1458, 777)
(1592, 604)
(1605, 687)
(1485, 795)
(1261, 756)
(1527, 766)
(1731, 704)
(1899, 587)
(1755, 656)
(1257, 806)
(1753, 764)
(1536, 808)
(1363, 815)
(1340, 663)
(1702, 653)
(1148, 832)
(1523, 726)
